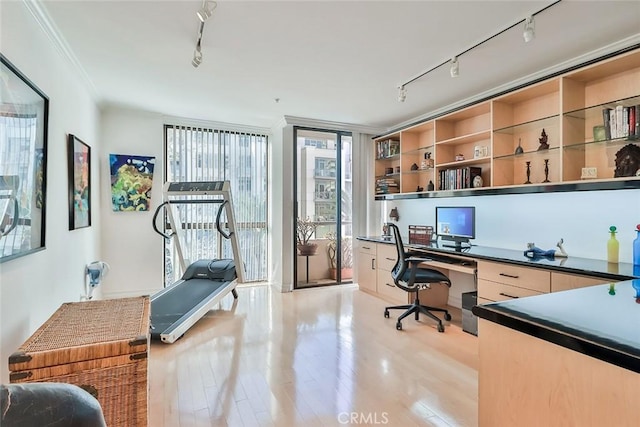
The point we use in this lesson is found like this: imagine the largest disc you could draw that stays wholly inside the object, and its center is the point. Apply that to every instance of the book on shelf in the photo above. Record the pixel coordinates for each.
(621, 122)
(387, 148)
(606, 117)
(460, 178)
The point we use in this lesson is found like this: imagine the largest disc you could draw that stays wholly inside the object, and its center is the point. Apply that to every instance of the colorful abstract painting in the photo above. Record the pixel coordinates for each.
(131, 179)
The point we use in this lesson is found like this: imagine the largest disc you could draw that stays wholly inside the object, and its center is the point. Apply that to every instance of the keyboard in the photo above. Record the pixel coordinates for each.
(435, 257)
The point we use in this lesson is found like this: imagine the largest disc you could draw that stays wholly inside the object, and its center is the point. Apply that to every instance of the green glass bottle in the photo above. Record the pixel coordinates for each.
(613, 246)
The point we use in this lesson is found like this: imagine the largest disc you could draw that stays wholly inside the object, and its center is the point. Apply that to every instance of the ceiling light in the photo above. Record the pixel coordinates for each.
(402, 93)
(455, 67)
(529, 32)
(206, 10)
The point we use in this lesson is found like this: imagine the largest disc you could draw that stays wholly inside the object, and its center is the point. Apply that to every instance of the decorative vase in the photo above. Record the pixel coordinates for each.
(307, 249)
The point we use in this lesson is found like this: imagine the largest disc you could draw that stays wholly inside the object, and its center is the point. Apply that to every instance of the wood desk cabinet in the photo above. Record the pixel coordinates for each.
(387, 258)
(500, 281)
(565, 281)
(374, 264)
(366, 266)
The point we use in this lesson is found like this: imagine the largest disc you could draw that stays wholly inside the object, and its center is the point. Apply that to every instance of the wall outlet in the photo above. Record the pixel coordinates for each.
(589, 173)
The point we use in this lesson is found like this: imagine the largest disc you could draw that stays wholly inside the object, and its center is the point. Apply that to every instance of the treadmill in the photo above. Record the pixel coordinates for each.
(204, 282)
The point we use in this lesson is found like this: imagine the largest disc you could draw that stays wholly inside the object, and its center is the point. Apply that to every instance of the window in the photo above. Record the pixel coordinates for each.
(197, 154)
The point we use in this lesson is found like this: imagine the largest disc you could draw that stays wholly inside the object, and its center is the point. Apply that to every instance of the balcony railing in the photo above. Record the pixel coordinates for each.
(324, 173)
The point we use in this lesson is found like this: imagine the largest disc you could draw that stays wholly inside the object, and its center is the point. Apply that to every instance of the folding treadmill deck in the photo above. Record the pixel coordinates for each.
(184, 303)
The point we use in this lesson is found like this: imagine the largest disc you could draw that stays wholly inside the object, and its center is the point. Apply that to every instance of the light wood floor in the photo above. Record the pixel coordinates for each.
(316, 357)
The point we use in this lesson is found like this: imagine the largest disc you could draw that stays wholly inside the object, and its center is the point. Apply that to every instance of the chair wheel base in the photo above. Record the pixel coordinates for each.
(447, 316)
(440, 327)
(386, 314)
(399, 326)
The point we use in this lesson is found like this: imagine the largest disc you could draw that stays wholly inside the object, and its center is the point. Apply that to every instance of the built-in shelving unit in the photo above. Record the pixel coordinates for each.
(559, 134)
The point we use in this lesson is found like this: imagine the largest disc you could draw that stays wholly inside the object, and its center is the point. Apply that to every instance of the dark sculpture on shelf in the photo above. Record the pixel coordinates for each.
(419, 189)
(519, 149)
(414, 167)
(627, 161)
(543, 141)
(528, 181)
(546, 170)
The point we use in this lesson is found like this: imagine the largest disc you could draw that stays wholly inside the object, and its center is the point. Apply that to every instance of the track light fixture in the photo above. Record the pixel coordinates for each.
(529, 32)
(206, 10)
(402, 93)
(197, 56)
(203, 14)
(455, 67)
(197, 53)
(454, 70)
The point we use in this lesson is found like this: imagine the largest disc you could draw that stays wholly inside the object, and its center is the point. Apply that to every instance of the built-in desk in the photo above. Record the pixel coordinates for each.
(562, 357)
(504, 274)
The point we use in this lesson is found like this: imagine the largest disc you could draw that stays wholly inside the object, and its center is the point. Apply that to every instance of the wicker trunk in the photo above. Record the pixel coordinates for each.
(100, 346)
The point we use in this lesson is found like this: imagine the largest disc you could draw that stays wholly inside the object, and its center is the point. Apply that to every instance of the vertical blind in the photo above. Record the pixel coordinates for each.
(200, 154)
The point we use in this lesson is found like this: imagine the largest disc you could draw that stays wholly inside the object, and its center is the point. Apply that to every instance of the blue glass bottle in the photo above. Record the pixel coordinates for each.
(636, 247)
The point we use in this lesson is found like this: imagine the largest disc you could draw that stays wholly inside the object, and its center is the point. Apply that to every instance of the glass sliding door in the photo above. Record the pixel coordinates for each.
(323, 188)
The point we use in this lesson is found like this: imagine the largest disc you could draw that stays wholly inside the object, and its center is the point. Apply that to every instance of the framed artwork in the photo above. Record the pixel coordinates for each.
(131, 182)
(24, 113)
(79, 162)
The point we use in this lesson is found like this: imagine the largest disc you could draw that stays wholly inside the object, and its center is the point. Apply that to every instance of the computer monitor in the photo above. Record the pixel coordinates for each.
(456, 224)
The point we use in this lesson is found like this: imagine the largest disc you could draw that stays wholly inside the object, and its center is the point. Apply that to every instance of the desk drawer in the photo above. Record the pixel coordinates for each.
(493, 291)
(388, 290)
(522, 277)
(386, 257)
(367, 248)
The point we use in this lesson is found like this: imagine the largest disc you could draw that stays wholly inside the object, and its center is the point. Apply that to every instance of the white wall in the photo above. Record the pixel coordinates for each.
(129, 243)
(33, 287)
(581, 218)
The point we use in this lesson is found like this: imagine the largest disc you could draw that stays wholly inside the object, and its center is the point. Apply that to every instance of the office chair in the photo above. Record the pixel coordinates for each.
(409, 277)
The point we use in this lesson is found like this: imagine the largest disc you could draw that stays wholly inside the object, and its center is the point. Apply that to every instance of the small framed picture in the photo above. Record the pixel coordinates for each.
(79, 167)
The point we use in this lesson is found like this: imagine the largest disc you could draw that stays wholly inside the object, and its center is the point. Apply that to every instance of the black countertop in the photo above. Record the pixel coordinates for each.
(575, 265)
(601, 321)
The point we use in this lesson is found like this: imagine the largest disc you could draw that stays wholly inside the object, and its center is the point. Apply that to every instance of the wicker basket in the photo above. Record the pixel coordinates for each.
(100, 346)
(420, 234)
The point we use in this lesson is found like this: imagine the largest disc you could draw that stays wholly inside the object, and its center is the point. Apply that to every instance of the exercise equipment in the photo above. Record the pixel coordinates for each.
(204, 282)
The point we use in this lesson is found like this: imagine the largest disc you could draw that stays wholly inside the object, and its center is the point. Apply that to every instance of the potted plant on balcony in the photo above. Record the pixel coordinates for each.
(346, 259)
(305, 229)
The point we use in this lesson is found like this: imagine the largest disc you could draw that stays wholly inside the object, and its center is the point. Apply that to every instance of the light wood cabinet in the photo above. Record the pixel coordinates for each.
(501, 137)
(527, 381)
(374, 264)
(386, 256)
(500, 281)
(367, 267)
(565, 281)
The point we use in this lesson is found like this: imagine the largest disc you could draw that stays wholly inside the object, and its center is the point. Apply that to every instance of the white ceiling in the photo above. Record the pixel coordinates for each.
(328, 60)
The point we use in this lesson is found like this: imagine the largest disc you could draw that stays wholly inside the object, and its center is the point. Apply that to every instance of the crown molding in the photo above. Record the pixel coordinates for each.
(329, 125)
(42, 17)
(554, 69)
